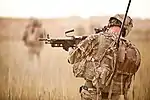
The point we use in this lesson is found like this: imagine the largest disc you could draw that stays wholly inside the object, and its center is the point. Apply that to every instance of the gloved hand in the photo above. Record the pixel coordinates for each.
(66, 47)
(97, 30)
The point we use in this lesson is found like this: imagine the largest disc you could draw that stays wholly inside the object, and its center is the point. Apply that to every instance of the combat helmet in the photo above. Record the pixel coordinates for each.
(117, 21)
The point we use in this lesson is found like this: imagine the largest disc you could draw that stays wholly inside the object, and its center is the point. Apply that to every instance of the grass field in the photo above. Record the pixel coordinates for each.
(21, 79)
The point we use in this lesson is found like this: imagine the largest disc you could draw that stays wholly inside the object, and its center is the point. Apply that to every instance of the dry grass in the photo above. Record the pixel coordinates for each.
(23, 80)
(53, 80)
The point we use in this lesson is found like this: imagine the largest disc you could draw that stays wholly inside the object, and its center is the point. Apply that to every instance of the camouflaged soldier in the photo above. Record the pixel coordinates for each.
(32, 33)
(107, 73)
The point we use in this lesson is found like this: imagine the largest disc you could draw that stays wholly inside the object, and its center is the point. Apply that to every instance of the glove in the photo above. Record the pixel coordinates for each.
(66, 47)
(97, 30)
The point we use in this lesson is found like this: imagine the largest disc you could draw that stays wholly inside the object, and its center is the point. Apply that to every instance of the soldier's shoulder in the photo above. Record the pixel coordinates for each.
(108, 35)
(128, 42)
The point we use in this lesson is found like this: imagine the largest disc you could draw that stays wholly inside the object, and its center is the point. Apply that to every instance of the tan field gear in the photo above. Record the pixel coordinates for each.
(117, 21)
(94, 59)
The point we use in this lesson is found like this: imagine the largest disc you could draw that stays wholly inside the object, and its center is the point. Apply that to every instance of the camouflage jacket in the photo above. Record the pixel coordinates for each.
(86, 50)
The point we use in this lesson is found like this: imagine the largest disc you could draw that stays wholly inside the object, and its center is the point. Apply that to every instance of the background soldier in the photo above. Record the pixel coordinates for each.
(32, 33)
(107, 73)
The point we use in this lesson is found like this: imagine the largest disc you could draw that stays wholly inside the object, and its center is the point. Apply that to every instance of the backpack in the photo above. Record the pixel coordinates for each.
(114, 75)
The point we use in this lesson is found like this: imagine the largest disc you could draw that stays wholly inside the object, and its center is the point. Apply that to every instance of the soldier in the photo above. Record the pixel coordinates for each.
(32, 33)
(107, 72)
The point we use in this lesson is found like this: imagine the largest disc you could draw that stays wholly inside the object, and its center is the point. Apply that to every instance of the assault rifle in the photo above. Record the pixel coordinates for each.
(68, 41)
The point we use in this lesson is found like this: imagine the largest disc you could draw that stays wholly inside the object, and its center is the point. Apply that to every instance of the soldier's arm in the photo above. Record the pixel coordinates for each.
(74, 55)
(88, 44)
(82, 50)
(25, 34)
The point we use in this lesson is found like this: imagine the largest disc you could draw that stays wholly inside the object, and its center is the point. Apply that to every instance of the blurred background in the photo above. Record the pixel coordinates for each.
(54, 80)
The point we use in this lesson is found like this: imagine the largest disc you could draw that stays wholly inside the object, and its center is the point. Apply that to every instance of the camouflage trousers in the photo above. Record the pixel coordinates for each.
(90, 93)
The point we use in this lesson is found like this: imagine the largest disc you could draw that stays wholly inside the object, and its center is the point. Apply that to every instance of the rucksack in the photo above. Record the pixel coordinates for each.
(114, 75)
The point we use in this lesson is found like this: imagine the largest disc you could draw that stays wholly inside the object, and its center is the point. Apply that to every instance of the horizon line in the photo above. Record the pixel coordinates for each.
(63, 17)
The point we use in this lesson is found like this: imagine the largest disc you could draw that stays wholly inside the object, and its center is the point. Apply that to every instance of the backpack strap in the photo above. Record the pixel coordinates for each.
(133, 92)
(122, 96)
(110, 80)
(110, 90)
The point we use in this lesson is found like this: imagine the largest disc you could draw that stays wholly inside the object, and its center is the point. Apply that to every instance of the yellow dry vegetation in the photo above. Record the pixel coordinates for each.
(21, 79)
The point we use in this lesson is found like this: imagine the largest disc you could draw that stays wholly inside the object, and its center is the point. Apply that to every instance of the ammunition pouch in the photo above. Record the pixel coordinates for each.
(87, 93)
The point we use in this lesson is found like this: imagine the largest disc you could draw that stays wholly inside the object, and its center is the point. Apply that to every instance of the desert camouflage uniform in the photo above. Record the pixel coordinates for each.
(32, 33)
(94, 60)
